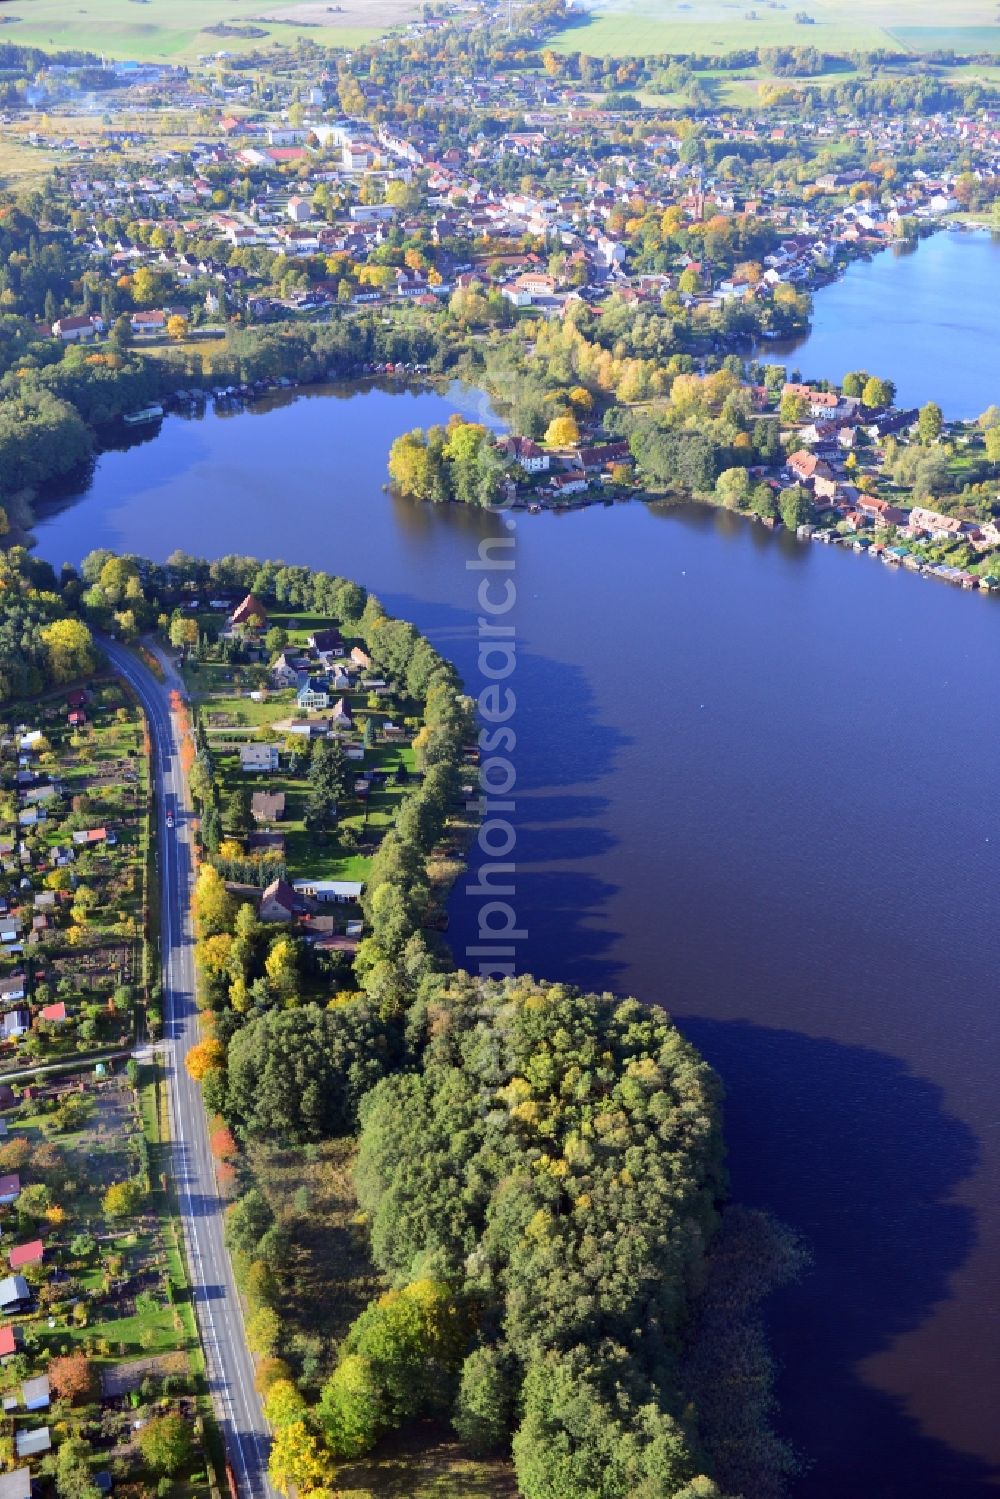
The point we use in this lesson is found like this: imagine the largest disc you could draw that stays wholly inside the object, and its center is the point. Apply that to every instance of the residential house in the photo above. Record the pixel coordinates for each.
(15, 1294)
(283, 672)
(568, 483)
(327, 642)
(77, 329)
(148, 324)
(299, 210)
(87, 836)
(313, 695)
(342, 717)
(279, 902)
(10, 1189)
(54, 1014)
(21, 1255)
(250, 612)
(12, 988)
(33, 1442)
(10, 1341)
(255, 758)
(523, 451)
(16, 1485)
(939, 527)
(267, 806)
(35, 1393)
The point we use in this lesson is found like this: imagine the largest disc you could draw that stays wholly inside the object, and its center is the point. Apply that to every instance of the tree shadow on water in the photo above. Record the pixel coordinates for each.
(859, 1156)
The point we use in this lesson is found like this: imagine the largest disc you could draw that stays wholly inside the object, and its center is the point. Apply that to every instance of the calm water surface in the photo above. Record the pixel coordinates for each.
(927, 317)
(756, 784)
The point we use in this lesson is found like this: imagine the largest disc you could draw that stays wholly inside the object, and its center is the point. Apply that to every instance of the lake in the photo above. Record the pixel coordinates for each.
(925, 316)
(755, 785)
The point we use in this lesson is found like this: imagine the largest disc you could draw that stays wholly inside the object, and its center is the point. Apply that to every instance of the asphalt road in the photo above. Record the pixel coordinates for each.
(220, 1318)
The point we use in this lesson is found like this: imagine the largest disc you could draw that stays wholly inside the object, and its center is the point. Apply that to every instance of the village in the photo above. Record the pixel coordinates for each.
(288, 205)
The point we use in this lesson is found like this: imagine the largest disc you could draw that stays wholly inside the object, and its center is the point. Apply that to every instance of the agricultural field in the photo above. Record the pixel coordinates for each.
(638, 28)
(74, 854)
(178, 31)
(101, 1326)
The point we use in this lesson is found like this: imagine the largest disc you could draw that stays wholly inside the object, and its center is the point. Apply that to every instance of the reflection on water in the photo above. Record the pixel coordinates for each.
(754, 783)
(927, 317)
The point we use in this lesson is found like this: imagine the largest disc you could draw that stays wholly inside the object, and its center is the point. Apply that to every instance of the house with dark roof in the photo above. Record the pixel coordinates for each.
(15, 1294)
(279, 902)
(267, 806)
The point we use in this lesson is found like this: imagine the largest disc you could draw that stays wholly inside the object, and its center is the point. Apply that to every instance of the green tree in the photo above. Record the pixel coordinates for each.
(327, 782)
(351, 1408)
(794, 506)
(878, 393)
(930, 423)
(733, 488)
(484, 1404)
(74, 1478)
(166, 1444)
(239, 813)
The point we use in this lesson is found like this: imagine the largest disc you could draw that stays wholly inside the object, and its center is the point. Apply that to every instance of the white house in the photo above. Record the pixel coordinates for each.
(255, 758)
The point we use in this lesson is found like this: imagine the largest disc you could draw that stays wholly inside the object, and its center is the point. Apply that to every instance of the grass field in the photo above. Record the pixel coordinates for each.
(174, 30)
(638, 27)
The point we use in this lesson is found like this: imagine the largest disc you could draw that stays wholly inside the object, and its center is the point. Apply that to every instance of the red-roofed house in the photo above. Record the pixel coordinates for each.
(250, 612)
(8, 1341)
(26, 1254)
(56, 1013)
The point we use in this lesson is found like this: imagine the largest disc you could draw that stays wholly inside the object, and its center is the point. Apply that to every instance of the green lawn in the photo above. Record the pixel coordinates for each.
(174, 30)
(642, 27)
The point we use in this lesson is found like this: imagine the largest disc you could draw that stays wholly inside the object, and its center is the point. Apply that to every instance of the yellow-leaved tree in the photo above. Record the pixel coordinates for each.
(562, 432)
(299, 1460)
(70, 649)
(204, 1056)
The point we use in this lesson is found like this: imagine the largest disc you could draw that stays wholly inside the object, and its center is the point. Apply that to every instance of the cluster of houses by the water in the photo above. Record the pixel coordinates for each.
(850, 512)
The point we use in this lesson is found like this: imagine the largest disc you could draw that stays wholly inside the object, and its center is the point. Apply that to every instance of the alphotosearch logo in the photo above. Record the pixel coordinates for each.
(493, 956)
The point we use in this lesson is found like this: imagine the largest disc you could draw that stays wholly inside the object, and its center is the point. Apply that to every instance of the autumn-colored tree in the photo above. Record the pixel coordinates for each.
(177, 326)
(223, 1144)
(269, 1371)
(562, 432)
(14, 1155)
(70, 649)
(213, 952)
(263, 1330)
(72, 1377)
(283, 1404)
(122, 1199)
(213, 905)
(299, 1460)
(203, 1057)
